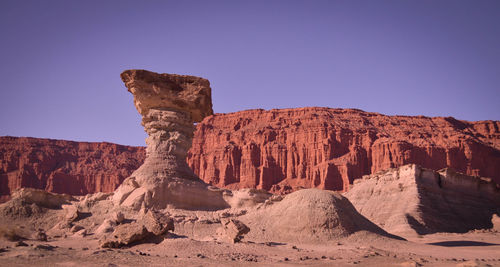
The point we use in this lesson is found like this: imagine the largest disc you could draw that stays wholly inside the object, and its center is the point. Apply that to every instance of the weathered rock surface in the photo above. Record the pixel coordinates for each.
(309, 215)
(125, 234)
(75, 168)
(151, 224)
(106, 226)
(412, 200)
(41, 198)
(232, 230)
(495, 221)
(157, 223)
(71, 213)
(169, 105)
(276, 150)
(287, 149)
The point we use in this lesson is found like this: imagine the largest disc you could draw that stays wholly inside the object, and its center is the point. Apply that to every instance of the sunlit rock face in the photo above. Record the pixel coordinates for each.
(283, 150)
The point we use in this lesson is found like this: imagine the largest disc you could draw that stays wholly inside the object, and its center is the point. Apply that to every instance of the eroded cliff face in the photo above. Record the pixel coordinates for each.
(411, 200)
(283, 150)
(276, 150)
(59, 166)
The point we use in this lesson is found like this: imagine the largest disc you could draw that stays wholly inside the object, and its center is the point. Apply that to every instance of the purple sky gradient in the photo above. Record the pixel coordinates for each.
(61, 60)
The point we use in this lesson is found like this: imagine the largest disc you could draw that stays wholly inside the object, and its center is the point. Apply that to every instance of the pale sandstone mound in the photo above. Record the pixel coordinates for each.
(282, 150)
(29, 202)
(309, 215)
(169, 104)
(412, 200)
(41, 198)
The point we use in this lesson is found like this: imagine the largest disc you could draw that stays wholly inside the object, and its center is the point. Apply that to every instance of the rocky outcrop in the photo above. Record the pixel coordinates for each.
(284, 150)
(41, 198)
(59, 166)
(308, 215)
(412, 200)
(169, 105)
(232, 230)
(151, 224)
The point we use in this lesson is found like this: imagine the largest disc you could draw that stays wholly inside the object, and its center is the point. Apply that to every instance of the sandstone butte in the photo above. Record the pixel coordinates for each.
(286, 149)
(59, 166)
(277, 150)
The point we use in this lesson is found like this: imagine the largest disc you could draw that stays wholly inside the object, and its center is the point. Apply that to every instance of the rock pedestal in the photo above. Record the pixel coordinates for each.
(169, 105)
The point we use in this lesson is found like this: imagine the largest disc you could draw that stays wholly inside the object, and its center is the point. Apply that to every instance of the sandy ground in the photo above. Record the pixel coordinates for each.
(445, 249)
(195, 242)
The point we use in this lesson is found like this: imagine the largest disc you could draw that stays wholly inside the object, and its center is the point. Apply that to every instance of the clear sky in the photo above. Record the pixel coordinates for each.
(60, 61)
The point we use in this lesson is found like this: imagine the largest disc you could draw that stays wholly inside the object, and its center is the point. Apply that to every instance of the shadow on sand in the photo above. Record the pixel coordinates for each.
(462, 243)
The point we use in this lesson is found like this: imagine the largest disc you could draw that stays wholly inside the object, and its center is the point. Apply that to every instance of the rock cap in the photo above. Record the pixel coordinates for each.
(165, 91)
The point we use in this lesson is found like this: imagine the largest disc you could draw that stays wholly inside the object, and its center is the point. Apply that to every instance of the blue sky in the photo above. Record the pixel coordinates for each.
(61, 60)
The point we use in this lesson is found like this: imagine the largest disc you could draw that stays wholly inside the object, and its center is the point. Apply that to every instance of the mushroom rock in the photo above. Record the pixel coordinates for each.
(169, 105)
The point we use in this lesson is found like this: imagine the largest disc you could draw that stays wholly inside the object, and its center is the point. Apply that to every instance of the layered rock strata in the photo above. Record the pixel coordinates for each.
(276, 150)
(75, 168)
(308, 216)
(169, 105)
(287, 149)
(412, 200)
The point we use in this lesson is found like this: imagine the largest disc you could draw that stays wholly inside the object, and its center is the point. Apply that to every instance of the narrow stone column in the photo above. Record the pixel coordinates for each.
(169, 105)
(170, 134)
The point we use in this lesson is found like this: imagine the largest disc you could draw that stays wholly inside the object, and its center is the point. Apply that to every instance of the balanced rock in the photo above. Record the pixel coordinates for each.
(169, 105)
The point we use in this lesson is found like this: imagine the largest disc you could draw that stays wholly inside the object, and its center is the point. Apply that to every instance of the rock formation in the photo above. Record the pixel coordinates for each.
(412, 200)
(151, 224)
(287, 149)
(232, 230)
(308, 215)
(59, 166)
(276, 150)
(169, 105)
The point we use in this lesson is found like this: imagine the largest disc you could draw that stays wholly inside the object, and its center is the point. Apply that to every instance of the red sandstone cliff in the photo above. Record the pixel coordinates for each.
(277, 150)
(59, 166)
(280, 150)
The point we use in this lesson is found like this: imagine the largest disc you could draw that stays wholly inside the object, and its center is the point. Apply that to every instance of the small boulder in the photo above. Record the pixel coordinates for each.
(59, 229)
(20, 244)
(118, 217)
(106, 227)
(81, 233)
(76, 228)
(495, 221)
(157, 223)
(40, 235)
(71, 213)
(233, 230)
(125, 234)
